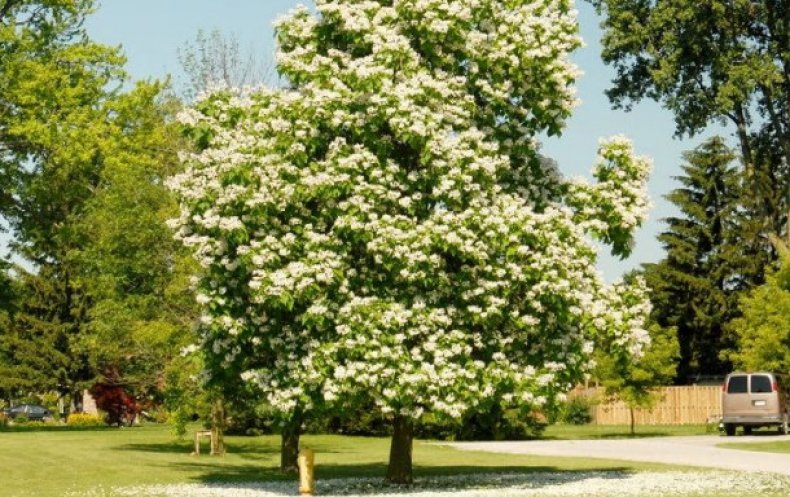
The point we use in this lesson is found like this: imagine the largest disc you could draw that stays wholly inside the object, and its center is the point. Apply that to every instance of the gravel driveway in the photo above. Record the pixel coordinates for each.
(700, 451)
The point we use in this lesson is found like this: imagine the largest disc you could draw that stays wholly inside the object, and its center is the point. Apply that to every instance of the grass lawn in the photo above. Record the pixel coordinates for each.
(782, 447)
(52, 463)
(588, 432)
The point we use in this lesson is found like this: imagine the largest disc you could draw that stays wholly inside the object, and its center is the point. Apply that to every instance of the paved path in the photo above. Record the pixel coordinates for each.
(700, 451)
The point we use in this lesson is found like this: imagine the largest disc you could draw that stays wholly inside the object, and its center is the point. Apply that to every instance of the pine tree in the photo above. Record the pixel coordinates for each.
(695, 287)
(38, 344)
(8, 299)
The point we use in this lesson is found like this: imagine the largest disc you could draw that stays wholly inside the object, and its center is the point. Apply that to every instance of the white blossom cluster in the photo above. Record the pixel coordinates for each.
(385, 229)
(618, 202)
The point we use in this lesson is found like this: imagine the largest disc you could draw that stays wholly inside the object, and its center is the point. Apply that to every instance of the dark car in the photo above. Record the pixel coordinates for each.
(30, 411)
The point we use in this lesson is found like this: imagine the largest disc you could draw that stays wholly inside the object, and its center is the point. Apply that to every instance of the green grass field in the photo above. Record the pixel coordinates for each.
(782, 447)
(589, 432)
(52, 463)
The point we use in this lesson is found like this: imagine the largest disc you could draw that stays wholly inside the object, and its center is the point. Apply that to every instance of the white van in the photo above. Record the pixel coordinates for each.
(753, 400)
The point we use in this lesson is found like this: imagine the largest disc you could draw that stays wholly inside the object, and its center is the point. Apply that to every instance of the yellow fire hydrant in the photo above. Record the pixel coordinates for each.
(306, 472)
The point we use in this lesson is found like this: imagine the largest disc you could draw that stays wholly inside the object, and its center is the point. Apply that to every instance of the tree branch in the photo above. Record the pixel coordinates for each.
(6, 8)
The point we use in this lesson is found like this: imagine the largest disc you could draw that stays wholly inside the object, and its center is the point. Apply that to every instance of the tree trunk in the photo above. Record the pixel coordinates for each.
(289, 448)
(742, 132)
(218, 428)
(631, 412)
(77, 400)
(400, 467)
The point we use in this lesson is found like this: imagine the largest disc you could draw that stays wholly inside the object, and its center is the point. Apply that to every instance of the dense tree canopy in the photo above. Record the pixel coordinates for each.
(136, 276)
(386, 229)
(714, 61)
(82, 164)
(695, 287)
(762, 332)
(53, 95)
(717, 59)
(634, 382)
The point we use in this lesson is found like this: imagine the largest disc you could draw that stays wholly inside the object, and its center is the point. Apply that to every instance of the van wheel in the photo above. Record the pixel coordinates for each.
(747, 430)
(729, 430)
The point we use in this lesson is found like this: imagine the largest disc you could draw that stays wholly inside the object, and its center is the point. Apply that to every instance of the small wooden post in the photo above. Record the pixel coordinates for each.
(217, 446)
(306, 472)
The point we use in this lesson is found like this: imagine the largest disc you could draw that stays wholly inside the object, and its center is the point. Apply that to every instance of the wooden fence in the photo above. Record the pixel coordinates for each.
(678, 406)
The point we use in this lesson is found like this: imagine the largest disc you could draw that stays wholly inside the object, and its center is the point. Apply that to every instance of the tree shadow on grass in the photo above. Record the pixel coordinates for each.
(217, 471)
(248, 451)
(186, 447)
(250, 476)
(206, 472)
(625, 436)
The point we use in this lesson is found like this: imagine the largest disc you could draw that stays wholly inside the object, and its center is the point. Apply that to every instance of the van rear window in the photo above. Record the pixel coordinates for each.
(737, 384)
(761, 384)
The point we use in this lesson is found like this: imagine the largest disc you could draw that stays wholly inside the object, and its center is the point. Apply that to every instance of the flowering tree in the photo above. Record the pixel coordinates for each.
(386, 229)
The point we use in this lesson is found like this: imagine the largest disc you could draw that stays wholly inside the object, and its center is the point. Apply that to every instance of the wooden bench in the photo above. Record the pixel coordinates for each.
(212, 441)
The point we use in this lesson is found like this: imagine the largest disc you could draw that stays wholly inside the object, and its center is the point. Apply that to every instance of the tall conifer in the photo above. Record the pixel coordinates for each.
(695, 287)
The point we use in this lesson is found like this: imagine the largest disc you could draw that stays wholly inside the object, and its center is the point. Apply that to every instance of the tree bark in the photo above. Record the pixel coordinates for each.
(631, 412)
(5, 8)
(289, 448)
(218, 428)
(741, 126)
(400, 465)
(77, 400)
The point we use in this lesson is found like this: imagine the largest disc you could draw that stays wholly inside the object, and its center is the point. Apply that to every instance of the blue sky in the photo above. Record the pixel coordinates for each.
(151, 32)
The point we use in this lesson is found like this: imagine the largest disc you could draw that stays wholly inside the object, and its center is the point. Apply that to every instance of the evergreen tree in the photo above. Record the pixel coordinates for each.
(695, 287)
(8, 300)
(38, 346)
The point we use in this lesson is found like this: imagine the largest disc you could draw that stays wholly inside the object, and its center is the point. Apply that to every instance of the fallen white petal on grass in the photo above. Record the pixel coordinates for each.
(570, 484)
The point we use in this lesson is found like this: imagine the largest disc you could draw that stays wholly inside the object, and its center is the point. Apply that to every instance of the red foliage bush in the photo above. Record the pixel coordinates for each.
(121, 408)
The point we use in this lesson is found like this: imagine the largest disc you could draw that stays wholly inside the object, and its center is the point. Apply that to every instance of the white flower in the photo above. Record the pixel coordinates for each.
(383, 225)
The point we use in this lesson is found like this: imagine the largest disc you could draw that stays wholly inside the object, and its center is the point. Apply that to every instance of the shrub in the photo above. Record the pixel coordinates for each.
(431, 426)
(84, 419)
(121, 408)
(576, 411)
(363, 422)
(160, 416)
(50, 402)
(179, 419)
(244, 417)
(498, 424)
(21, 419)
